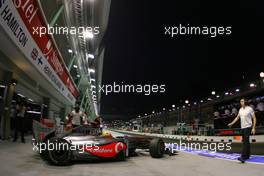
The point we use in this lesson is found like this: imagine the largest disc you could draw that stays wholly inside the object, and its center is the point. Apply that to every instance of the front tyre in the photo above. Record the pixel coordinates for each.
(156, 148)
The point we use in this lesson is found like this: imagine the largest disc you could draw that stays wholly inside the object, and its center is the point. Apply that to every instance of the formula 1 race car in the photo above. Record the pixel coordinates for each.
(89, 143)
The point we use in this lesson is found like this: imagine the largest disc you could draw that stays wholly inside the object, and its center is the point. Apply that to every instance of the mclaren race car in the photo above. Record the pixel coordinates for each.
(89, 143)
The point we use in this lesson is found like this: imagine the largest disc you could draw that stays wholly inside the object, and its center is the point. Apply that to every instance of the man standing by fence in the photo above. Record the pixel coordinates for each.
(245, 114)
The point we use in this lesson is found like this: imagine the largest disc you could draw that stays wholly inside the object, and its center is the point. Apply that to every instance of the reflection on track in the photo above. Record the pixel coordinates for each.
(257, 159)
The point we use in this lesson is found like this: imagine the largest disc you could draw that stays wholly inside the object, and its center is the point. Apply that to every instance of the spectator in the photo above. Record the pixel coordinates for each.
(260, 106)
(20, 120)
(76, 117)
(216, 114)
(227, 112)
(97, 122)
(13, 116)
(234, 111)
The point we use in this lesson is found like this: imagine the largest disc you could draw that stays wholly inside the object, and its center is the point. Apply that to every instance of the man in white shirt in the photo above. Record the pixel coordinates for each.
(246, 114)
(77, 117)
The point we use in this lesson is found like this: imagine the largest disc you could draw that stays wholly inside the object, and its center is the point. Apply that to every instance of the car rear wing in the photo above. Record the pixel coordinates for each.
(41, 131)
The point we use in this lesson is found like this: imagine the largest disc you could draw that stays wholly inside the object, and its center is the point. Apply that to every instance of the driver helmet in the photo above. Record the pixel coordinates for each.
(106, 133)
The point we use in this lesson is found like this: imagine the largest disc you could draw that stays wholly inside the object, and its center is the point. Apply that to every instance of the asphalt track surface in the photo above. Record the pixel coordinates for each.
(19, 159)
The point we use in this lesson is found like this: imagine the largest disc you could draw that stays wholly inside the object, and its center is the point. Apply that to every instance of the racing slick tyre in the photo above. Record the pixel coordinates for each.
(156, 148)
(60, 153)
(44, 155)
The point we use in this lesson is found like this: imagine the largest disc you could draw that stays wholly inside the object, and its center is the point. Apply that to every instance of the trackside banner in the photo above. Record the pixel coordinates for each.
(45, 59)
(18, 18)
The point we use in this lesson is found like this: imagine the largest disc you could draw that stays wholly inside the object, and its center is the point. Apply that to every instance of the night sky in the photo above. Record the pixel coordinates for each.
(138, 52)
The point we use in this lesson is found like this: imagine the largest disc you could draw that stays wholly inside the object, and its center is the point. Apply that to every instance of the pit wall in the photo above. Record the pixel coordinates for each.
(235, 139)
(257, 141)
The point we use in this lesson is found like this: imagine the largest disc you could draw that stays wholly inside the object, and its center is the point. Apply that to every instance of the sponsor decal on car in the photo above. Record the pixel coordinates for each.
(108, 150)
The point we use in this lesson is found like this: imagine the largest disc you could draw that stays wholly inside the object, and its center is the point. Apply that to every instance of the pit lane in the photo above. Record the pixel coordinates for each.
(19, 159)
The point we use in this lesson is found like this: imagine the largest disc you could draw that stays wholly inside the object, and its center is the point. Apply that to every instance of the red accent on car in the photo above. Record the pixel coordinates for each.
(108, 150)
(47, 122)
(119, 147)
(42, 136)
(226, 132)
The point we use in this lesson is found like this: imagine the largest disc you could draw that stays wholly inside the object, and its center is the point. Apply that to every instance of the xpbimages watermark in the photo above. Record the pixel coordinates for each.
(211, 31)
(63, 30)
(145, 89)
(195, 146)
(81, 148)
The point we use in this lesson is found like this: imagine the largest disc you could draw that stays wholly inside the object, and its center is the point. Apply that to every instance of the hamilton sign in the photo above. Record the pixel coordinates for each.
(18, 18)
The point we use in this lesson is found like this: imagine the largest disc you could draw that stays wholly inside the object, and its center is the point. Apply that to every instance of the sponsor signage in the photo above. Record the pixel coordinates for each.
(106, 151)
(18, 18)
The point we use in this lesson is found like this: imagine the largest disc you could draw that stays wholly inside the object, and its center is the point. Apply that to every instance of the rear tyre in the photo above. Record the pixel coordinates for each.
(61, 154)
(156, 148)
(44, 155)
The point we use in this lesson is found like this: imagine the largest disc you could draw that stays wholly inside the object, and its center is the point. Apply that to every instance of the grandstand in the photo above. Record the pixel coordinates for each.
(208, 116)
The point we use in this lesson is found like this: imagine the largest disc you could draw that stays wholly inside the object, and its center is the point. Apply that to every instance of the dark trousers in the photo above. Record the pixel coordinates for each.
(246, 143)
(19, 127)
